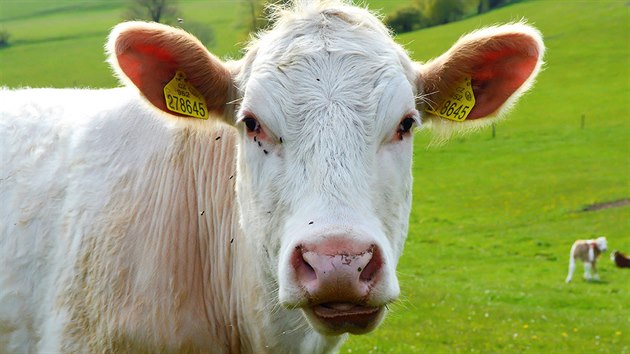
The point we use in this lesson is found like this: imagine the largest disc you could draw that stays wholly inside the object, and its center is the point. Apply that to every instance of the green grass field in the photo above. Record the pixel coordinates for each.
(493, 218)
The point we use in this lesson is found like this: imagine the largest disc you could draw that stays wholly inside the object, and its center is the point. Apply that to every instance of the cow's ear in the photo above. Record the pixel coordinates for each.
(498, 64)
(150, 55)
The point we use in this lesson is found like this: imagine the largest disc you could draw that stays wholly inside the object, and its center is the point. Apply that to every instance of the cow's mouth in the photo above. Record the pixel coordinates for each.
(341, 317)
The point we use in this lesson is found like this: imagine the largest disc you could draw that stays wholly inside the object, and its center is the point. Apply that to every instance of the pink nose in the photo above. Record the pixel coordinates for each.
(337, 270)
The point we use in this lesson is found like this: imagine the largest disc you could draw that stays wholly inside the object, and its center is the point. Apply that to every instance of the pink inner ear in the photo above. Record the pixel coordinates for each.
(501, 72)
(150, 68)
(151, 54)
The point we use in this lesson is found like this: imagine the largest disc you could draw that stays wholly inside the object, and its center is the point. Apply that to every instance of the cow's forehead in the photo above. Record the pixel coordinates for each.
(306, 67)
(342, 45)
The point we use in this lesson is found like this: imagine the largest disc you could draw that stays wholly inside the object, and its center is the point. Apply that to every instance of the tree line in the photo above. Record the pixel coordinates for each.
(427, 13)
(419, 14)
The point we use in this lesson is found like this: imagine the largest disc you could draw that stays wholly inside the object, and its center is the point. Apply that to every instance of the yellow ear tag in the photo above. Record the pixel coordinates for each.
(182, 97)
(459, 105)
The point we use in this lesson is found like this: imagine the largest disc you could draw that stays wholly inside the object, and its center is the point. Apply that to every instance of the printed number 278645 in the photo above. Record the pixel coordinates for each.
(184, 105)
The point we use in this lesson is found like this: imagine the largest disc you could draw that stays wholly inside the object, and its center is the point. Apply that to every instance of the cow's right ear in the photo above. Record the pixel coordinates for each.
(150, 55)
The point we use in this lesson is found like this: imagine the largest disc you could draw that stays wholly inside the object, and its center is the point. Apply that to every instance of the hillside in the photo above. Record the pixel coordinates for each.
(73, 33)
(493, 218)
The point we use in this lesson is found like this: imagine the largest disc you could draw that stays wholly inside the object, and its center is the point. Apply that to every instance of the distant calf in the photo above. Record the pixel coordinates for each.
(620, 259)
(586, 251)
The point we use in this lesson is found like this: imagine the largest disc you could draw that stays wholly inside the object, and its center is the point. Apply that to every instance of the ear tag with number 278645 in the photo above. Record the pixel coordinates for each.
(182, 97)
(459, 105)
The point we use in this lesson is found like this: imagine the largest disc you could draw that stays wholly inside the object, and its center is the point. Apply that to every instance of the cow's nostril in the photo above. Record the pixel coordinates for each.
(303, 270)
(371, 270)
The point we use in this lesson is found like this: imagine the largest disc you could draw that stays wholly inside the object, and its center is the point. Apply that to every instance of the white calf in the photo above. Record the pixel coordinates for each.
(586, 251)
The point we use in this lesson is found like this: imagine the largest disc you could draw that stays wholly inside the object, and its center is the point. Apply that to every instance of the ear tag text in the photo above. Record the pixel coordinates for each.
(182, 97)
(459, 105)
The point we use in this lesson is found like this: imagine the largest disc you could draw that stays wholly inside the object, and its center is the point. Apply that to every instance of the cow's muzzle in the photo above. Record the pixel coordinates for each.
(337, 277)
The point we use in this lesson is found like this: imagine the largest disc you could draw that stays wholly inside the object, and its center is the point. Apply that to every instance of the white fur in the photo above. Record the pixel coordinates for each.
(123, 228)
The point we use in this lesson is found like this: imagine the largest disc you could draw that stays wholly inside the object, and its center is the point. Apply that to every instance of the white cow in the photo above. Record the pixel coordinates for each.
(274, 226)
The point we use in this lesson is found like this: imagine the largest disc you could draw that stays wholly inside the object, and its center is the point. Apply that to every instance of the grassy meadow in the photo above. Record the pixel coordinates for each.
(493, 217)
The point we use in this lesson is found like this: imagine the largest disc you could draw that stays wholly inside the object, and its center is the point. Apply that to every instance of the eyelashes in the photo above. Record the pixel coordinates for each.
(251, 124)
(406, 125)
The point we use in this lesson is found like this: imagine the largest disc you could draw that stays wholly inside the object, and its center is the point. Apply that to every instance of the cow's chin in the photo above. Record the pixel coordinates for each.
(336, 318)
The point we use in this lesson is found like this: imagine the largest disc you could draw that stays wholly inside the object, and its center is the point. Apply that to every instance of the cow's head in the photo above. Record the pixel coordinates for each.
(328, 105)
(601, 243)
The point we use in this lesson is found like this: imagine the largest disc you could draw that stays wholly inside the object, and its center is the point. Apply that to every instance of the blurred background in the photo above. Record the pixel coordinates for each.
(495, 213)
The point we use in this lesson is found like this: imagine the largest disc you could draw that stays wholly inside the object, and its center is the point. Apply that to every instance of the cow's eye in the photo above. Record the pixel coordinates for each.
(252, 124)
(405, 126)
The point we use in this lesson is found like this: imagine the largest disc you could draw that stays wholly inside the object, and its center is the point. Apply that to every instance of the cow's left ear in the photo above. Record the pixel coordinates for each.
(496, 65)
(150, 55)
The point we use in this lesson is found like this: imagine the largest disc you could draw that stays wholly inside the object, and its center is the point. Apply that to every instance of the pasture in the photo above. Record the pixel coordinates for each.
(493, 217)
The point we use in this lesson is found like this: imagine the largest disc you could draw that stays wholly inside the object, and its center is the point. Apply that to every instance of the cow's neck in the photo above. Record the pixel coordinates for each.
(185, 277)
(139, 278)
